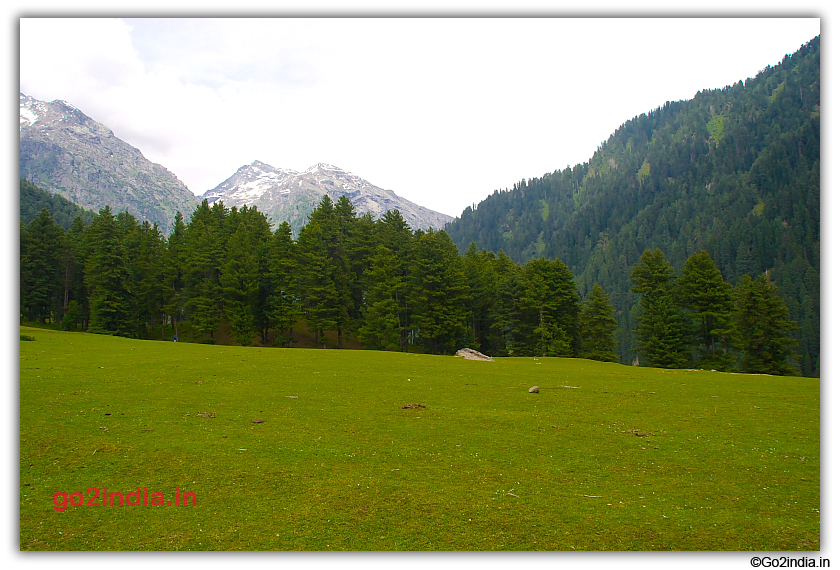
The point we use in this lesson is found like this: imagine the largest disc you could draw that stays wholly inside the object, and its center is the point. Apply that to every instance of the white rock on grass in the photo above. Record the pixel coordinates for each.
(471, 354)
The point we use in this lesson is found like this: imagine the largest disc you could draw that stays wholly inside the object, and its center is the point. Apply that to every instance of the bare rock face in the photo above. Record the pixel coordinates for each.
(471, 354)
(534, 390)
(65, 152)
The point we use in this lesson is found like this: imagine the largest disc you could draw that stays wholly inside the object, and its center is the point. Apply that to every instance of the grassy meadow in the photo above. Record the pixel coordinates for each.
(605, 457)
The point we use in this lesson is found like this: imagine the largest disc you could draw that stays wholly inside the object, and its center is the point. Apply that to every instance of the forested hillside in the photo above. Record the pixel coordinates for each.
(63, 211)
(734, 172)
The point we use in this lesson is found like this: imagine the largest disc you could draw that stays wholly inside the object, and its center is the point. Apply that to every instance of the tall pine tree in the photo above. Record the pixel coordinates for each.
(320, 298)
(548, 310)
(380, 325)
(707, 299)
(107, 277)
(240, 284)
(42, 268)
(438, 295)
(284, 296)
(597, 327)
(204, 255)
(762, 328)
(661, 335)
(174, 274)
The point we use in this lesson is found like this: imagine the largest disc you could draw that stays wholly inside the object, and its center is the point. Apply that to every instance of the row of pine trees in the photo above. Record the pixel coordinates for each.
(700, 320)
(381, 283)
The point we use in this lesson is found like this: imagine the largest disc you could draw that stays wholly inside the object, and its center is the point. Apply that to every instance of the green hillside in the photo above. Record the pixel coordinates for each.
(303, 449)
(734, 171)
(63, 211)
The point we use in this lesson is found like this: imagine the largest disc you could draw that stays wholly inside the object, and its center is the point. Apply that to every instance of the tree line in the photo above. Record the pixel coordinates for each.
(374, 281)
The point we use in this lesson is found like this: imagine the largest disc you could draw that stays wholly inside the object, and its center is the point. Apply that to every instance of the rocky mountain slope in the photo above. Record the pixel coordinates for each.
(64, 151)
(286, 195)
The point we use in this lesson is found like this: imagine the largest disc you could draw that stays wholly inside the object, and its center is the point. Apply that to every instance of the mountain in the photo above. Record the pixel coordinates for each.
(63, 211)
(64, 151)
(287, 195)
(733, 171)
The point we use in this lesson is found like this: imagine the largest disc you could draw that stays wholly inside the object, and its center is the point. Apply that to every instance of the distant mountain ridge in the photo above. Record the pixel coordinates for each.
(65, 152)
(286, 195)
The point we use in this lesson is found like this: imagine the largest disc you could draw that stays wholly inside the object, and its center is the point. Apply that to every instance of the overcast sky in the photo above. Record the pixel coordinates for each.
(442, 111)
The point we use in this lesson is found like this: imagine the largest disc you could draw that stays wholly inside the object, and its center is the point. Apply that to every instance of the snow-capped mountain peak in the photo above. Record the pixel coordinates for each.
(286, 195)
(64, 151)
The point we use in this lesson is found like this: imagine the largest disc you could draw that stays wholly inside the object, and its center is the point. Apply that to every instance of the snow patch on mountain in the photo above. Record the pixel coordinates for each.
(28, 115)
(287, 195)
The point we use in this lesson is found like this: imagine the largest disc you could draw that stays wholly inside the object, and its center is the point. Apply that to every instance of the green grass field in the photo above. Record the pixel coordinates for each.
(605, 457)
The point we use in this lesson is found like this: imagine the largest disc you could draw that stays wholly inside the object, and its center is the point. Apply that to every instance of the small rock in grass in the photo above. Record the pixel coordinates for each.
(413, 406)
(257, 421)
(534, 390)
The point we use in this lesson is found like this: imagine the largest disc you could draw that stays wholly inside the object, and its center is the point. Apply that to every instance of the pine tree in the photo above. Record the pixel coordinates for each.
(597, 327)
(481, 281)
(438, 294)
(174, 273)
(204, 254)
(548, 310)
(762, 328)
(380, 325)
(141, 244)
(343, 227)
(317, 284)
(707, 299)
(239, 281)
(392, 231)
(107, 277)
(326, 276)
(258, 230)
(25, 272)
(503, 312)
(148, 276)
(42, 268)
(75, 296)
(661, 334)
(284, 297)
(360, 248)
(72, 316)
